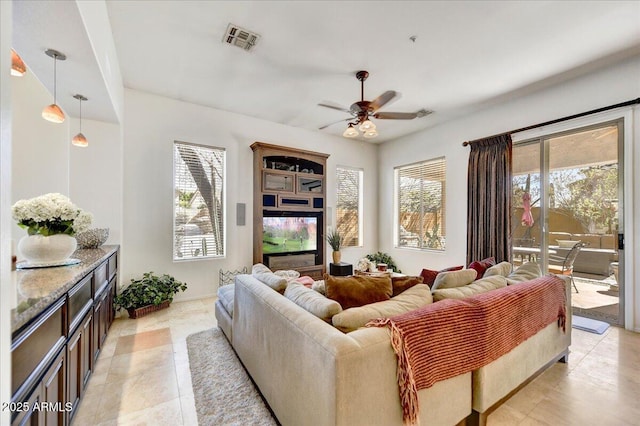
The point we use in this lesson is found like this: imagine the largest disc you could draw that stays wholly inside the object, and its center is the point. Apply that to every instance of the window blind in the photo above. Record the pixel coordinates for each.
(421, 199)
(198, 201)
(349, 206)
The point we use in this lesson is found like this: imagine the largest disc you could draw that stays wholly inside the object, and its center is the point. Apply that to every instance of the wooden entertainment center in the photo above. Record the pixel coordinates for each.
(289, 183)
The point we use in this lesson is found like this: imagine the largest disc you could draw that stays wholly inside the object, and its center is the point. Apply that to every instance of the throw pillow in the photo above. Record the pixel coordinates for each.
(312, 301)
(264, 274)
(429, 276)
(319, 287)
(401, 284)
(502, 268)
(354, 318)
(482, 265)
(357, 290)
(482, 286)
(306, 280)
(526, 272)
(259, 268)
(452, 279)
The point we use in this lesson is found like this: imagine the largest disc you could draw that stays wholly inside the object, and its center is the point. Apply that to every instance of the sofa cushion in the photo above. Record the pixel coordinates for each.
(400, 284)
(480, 286)
(357, 290)
(312, 301)
(526, 272)
(410, 299)
(264, 275)
(429, 275)
(482, 265)
(502, 268)
(451, 279)
(225, 296)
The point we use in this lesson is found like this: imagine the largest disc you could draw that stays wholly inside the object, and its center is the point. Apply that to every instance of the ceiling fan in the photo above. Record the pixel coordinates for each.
(361, 112)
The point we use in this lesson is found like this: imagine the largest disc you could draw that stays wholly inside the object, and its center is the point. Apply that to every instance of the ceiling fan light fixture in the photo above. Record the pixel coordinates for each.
(367, 125)
(350, 132)
(372, 133)
(53, 112)
(18, 68)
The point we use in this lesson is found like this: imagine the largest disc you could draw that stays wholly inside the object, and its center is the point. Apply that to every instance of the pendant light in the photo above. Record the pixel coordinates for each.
(351, 132)
(18, 68)
(53, 112)
(79, 139)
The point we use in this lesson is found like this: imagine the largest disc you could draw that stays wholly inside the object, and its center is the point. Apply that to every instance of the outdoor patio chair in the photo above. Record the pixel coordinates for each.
(567, 263)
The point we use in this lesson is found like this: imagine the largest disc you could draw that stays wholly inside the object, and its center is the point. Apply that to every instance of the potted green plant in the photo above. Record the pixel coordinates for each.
(335, 241)
(381, 257)
(148, 294)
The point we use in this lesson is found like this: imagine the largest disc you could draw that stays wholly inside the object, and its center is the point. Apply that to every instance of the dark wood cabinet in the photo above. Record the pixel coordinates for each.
(289, 193)
(80, 362)
(54, 354)
(47, 403)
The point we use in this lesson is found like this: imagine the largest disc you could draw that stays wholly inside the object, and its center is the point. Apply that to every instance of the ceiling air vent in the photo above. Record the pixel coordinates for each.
(240, 37)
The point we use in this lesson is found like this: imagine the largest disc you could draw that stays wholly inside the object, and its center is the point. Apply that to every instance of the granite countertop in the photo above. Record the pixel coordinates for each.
(37, 289)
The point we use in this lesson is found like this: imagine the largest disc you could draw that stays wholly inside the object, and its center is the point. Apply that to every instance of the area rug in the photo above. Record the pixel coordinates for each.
(588, 324)
(223, 391)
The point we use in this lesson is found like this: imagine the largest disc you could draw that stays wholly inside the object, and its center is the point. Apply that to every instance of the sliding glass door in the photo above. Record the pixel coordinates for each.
(567, 213)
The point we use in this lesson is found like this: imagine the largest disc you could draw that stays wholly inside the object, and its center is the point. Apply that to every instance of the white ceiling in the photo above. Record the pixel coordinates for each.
(467, 55)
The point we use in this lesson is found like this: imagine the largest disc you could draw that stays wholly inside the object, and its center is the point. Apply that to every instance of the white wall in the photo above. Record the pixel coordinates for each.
(610, 86)
(43, 159)
(95, 175)
(152, 124)
(40, 159)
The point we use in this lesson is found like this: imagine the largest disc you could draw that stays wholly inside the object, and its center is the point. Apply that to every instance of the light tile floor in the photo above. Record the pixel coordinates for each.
(142, 377)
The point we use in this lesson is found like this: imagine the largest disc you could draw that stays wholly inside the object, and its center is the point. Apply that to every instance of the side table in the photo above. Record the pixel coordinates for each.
(341, 269)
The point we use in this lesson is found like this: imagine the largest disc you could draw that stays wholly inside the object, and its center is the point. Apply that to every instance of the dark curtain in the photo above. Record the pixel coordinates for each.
(489, 199)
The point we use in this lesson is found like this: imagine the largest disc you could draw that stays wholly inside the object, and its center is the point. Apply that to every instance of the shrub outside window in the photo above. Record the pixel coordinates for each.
(421, 200)
(198, 213)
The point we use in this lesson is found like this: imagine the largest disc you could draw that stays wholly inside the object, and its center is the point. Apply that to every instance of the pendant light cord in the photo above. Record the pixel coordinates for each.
(55, 59)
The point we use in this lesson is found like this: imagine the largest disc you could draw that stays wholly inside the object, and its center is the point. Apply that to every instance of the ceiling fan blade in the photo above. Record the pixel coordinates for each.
(335, 122)
(383, 99)
(335, 107)
(395, 115)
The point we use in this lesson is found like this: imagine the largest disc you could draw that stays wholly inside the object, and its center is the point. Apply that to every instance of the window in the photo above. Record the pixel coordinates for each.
(421, 205)
(198, 212)
(349, 206)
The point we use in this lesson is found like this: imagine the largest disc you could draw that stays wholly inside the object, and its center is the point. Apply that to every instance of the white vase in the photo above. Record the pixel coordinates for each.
(41, 250)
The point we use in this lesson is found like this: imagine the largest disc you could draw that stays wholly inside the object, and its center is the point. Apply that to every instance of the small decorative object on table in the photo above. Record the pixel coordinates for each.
(148, 294)
(51, 221)
(92, 238)
(365, 265)
(384, 258)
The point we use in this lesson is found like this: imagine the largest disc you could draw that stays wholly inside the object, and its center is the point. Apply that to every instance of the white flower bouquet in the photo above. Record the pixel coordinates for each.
(365, 265)
(50, 214)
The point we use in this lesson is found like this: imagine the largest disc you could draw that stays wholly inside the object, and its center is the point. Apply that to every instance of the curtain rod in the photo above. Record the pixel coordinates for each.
(558, 120)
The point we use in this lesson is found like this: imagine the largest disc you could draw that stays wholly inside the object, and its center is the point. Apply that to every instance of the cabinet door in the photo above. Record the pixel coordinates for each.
(53, 392)
(97, 318)
(80, 361)
(29, 416)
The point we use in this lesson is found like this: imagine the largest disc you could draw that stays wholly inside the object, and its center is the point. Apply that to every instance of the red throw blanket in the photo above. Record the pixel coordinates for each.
(453, 337)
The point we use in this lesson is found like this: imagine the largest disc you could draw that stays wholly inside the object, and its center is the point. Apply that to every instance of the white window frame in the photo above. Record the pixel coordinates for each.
(190, 249)
(403, 238)
(360, 201)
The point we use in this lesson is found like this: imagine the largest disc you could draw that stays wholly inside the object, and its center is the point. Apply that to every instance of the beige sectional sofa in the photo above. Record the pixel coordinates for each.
(311, 373)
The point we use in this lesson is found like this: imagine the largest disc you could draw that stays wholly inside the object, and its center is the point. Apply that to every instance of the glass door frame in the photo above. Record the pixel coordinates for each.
(542, 137)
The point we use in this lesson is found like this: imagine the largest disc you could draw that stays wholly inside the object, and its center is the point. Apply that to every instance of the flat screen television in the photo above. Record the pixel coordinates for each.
(289, 234)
